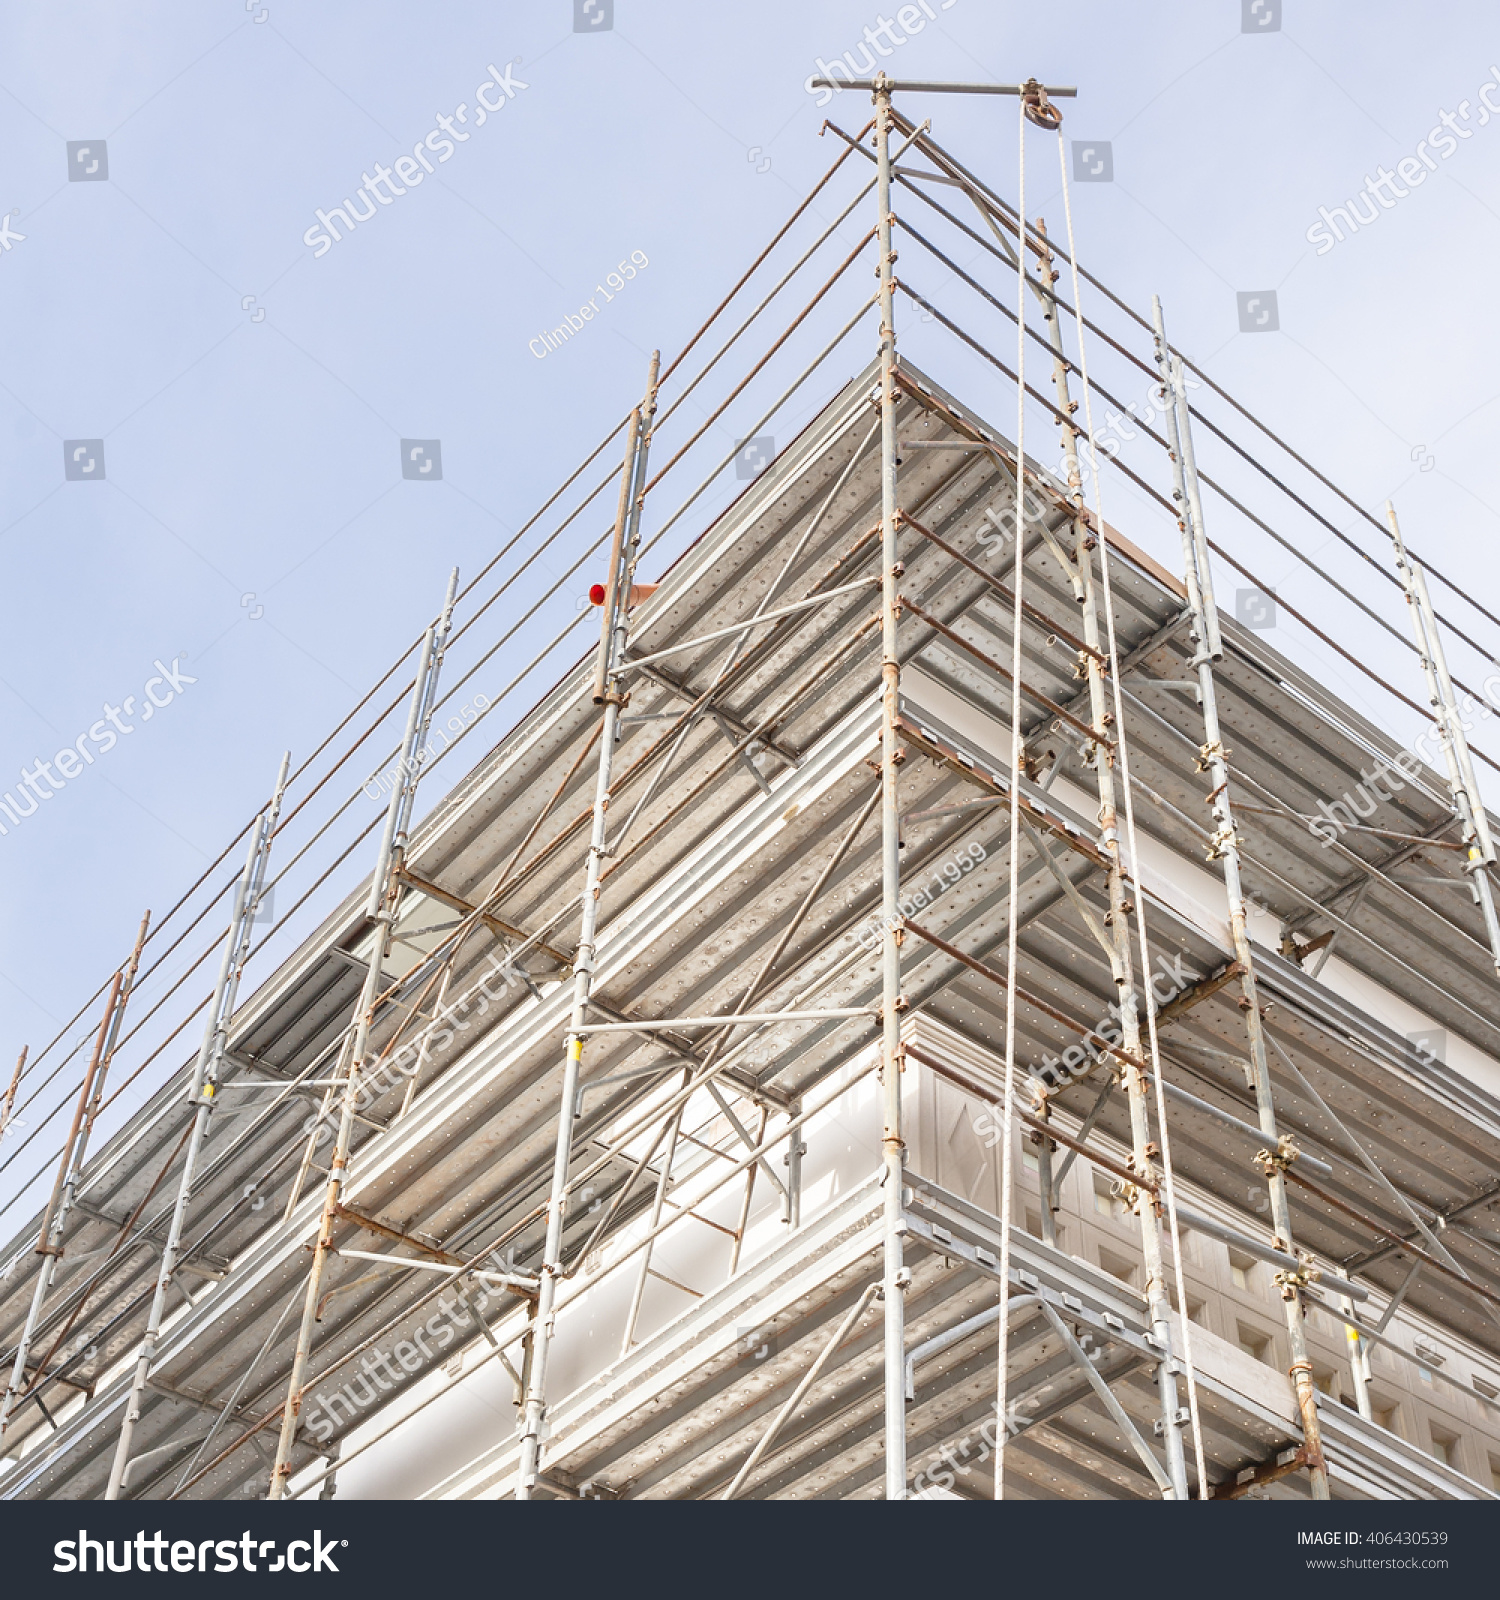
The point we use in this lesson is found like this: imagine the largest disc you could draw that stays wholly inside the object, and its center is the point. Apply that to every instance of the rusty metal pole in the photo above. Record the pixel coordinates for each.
(201, 1096)
(1280, 1152)
(385, 892)
(895, 1276)
(55, 1218)
(10, 1094)
(611, 693)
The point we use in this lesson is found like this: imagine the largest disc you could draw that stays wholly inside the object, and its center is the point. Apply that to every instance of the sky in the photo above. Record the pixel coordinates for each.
(239, 458)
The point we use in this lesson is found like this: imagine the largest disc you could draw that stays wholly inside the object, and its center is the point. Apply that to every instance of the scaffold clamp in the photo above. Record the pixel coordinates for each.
(1278, 1160)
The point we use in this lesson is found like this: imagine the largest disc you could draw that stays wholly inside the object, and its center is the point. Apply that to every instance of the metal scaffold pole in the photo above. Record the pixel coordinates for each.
(1463, 785)
(1359, 1361)
(385, 892)
(49, 1244)
(201, 1096)
(611, 693)
(10, 1094)
(1212, 760)
(895, 1276)
(1101, 754)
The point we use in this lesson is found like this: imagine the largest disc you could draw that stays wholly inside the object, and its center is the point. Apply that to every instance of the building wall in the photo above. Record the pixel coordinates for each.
(1228, 1292)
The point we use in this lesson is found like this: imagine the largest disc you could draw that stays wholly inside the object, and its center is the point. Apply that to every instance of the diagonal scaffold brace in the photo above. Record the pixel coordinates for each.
(385, 894)
(247, 904)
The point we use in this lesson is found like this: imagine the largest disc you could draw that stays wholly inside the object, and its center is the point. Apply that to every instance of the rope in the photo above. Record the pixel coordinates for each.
(1169, 1184)
(1247, 456)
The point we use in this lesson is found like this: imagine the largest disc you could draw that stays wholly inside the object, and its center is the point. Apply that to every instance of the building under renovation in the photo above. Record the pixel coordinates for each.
(925, 1001)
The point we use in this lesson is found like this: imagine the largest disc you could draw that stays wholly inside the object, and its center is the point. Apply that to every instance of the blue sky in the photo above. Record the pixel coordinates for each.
(253, 524)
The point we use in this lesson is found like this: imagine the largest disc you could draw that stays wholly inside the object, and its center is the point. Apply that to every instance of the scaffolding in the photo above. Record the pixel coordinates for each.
(518, 1116)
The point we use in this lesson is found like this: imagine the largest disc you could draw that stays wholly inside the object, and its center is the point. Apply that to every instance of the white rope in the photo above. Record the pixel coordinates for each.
(1169, 1186)
(1007, 1159)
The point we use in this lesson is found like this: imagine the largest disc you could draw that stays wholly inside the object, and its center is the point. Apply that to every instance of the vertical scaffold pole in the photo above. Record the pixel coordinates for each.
(49, 1244)
(892, 1058)
(201, 1094)
(1117, 923)
(1212, 760)
(385, 893)
(1359, 1362)
(611, 693)
(1463, 785)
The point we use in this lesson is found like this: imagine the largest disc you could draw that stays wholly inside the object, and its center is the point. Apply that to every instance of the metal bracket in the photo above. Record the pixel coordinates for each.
(1286, 1152)
(1223, 841)
(1208, 754)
